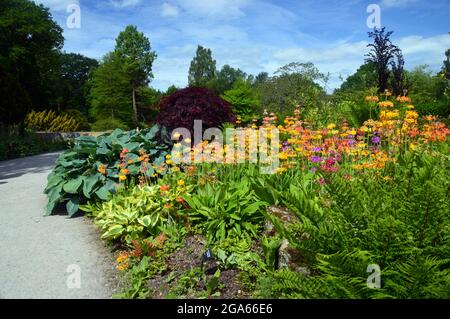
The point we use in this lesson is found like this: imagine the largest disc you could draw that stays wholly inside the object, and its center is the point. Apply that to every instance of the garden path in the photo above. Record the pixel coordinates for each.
(36, 252)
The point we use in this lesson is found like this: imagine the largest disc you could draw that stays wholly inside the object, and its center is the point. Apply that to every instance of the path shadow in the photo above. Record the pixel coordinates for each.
(33, 164)
(61, 210)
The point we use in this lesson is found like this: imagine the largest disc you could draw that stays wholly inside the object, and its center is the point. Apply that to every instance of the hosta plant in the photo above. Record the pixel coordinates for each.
(136, 213)
(129, 214)
(94, 167)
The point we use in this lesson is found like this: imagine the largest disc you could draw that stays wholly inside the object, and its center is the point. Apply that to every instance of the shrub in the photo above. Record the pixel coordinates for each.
(107, 125)
(50, 121)
(226, 210)
(14, 145)
(80, 118)
(245, 100)
(94, 167)
(181, 108)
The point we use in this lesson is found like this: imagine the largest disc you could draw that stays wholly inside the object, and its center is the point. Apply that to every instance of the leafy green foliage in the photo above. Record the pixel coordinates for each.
(226, 210)
(72, 88)
(146, 267)
(91, 169)
(130, 214)
(30, 43)
(429, 93)
(110, 92)
(203, 68)
(134, 51)
(400, 224)
(293, 85)
(14, 145)
(363, 79)
(107, 125)
(226, 79)
(244, 99)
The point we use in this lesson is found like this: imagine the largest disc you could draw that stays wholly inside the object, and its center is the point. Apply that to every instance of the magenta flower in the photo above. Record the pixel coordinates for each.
(316, 159)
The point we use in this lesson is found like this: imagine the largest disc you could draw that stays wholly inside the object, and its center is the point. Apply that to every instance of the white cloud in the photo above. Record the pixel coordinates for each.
(341, 59)
(120, 4)
(57, 5)
(208, 8)
(396, 3)
(421, 50)
(169, 10)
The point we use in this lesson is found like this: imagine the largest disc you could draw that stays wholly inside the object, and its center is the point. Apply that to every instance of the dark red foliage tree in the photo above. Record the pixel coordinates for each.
(181, 108)
(381, 53)
(398, 82)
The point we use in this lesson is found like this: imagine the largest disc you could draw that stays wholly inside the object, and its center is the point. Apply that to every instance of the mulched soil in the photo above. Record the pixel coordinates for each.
(189, 257)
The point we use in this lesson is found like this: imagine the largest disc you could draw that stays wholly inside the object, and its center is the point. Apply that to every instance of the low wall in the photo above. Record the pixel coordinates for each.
(51, 136)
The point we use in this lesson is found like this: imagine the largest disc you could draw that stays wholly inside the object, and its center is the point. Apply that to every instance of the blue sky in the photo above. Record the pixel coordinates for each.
(258, 35)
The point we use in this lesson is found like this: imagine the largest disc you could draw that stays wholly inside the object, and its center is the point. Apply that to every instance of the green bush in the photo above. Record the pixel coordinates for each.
(244, 99)
(15, 145)
(108, 125)
(93, 167)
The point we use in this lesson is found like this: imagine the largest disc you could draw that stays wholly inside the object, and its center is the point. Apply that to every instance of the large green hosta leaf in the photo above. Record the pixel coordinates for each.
(90, 183)
(76, 177)
(73, 185)
(72, 206)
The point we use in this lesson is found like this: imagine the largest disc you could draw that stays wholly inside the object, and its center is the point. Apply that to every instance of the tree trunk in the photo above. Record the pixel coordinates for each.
(135, 116)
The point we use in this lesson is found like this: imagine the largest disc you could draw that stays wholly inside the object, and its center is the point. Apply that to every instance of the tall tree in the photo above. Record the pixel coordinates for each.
(293, 85)
(74, 72)
(261, 78)
(381, 53)
(110, 91)
(445, 72)
(203, 68)
(134, 49)
(226, 78)
(244, 99)
(398, 75)
(363, 79)
(30, 42)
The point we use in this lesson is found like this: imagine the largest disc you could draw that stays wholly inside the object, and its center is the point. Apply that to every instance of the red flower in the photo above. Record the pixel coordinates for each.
(164, 188)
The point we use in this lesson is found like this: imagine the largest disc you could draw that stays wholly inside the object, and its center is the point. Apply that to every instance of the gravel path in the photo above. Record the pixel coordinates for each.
(37, 252)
